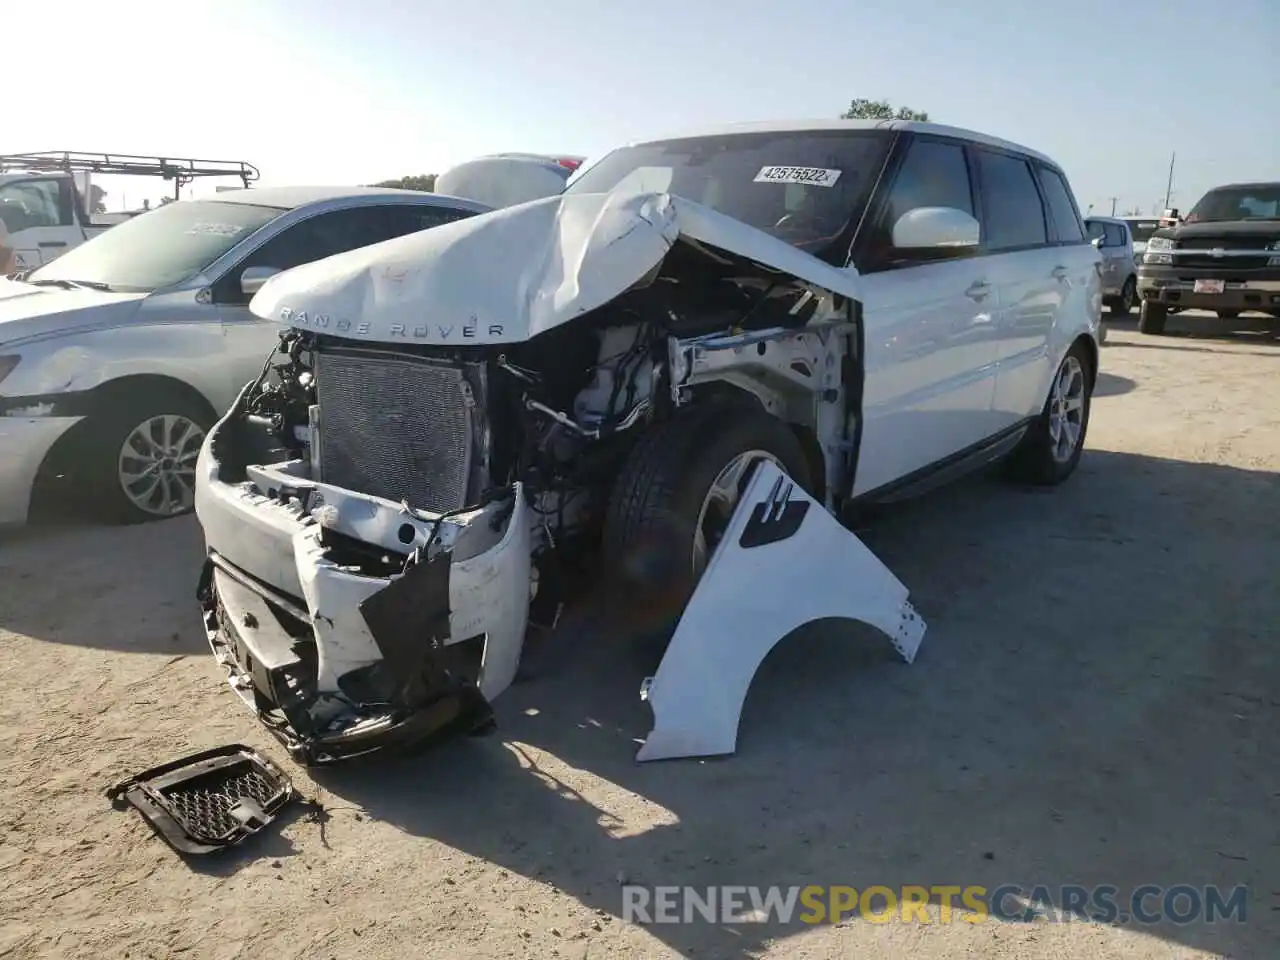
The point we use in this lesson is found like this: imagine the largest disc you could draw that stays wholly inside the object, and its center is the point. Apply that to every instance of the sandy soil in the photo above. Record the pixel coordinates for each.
(1096, 702)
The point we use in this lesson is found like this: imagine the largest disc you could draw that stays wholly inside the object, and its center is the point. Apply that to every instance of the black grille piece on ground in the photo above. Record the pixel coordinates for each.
(210, 800)
(395, 427)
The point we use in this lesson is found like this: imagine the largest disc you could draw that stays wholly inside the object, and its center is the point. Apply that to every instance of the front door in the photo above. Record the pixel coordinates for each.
(928, 328)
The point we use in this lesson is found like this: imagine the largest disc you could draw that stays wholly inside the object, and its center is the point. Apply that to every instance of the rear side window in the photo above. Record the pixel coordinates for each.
(1012, 213)
(1066, 219)
(316, 237)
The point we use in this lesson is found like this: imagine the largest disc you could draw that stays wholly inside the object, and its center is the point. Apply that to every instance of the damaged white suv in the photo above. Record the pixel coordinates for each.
(653, 376)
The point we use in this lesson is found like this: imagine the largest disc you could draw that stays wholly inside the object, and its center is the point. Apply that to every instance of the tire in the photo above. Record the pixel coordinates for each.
(1122, 306)
(651, 524)
(131, 418)
(1041, 458)
(1151, 317)
(1228, 314)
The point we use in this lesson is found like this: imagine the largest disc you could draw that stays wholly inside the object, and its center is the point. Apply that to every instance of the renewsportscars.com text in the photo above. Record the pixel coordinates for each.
(815, 904)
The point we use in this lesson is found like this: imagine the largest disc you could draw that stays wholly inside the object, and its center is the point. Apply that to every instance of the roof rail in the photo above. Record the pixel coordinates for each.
(180, 171)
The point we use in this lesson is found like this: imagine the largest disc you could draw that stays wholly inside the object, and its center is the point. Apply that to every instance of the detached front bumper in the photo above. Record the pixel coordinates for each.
(331, 636)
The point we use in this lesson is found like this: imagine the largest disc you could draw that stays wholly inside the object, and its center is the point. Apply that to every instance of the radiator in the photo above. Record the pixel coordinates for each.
(395, 427)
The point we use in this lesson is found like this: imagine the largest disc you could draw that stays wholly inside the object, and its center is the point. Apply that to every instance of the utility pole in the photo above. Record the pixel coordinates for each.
(1168, 190)
(1113, 204)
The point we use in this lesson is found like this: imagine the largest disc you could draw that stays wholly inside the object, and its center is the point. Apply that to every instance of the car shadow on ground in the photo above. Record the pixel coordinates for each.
(57, 567)
(1184, 331)
(1112, 385)
(1086, 708)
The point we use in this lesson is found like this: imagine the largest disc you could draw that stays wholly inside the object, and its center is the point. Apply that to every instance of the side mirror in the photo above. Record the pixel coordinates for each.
(1099, 242)
(936, 229)
(253, 278)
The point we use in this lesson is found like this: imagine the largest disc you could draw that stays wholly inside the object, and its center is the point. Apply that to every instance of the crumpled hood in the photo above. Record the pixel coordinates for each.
(29, 311)
(511, 274)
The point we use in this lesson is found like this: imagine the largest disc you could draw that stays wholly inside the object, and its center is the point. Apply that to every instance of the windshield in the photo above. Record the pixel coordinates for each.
(159, 248)
(803, 187)
(1256, 202)
(1143, 229)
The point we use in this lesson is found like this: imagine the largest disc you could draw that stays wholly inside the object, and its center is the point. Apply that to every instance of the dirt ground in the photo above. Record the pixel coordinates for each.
(1096, 702)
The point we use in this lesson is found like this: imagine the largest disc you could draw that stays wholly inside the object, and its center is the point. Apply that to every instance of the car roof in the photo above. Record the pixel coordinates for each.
(289, 198)
(1252, 185)
(808, 126)
(1092, 216)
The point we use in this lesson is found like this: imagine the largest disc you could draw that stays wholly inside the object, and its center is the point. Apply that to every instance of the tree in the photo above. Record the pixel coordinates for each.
(97, 199)
(863, 109)
(425, 182)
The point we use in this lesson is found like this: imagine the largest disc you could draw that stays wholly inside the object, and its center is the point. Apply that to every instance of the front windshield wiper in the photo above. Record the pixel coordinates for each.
(72, 284)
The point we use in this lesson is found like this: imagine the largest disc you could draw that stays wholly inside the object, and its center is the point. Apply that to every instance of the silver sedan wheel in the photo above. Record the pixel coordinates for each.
(157, 464)
(1066, 410)
(720, 502)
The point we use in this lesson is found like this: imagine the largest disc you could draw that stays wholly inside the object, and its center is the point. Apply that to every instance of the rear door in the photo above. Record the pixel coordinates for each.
(930, 350)
(1028, 275)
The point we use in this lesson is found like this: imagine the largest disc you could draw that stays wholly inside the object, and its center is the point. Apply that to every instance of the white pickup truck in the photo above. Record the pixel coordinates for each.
(46, 199)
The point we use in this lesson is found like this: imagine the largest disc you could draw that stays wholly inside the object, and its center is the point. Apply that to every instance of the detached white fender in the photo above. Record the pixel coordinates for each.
(784, 561)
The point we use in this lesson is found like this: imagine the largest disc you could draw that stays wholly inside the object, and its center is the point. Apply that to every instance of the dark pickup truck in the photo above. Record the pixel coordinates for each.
(1223, 256)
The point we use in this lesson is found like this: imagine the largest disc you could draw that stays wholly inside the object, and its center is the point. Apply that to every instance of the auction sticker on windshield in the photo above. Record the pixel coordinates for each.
(812, 176)
(214, 229)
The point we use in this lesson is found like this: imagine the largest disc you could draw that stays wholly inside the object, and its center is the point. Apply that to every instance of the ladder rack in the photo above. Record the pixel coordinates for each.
(180, 171)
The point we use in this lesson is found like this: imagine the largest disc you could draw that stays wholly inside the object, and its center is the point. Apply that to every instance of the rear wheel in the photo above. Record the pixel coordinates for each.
(1049, 452)
(673, 500)
(1151, 317)
(1122, 306)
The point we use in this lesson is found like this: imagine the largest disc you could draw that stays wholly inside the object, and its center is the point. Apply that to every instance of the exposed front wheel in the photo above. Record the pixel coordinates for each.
(1151, 317)
(673, 500)
(1051, 449)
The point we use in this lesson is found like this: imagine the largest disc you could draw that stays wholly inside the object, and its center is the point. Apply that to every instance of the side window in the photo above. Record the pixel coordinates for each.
(1062, 208)
(33, 203)
(411, 217)
(1011, 203)
(1115, 235)
(933, 174)
(1095, 229)
(306, 241)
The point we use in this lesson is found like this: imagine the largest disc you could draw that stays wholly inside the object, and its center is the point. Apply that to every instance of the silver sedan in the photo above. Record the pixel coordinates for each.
(119, 355)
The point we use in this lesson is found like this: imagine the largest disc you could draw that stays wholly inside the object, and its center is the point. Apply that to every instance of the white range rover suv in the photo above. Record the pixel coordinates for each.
(460, 425)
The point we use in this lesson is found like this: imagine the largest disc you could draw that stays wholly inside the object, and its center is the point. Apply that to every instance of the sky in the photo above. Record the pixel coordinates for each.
(334, 91)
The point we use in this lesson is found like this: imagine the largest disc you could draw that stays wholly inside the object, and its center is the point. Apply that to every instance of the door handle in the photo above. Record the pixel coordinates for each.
(978, 290)
(1059, 273)
(52, 243)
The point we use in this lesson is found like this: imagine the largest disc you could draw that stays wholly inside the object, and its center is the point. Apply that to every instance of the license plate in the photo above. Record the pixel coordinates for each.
(1210, 286)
